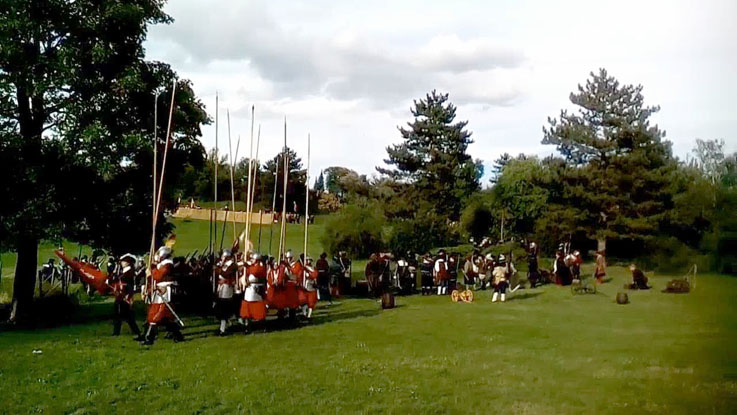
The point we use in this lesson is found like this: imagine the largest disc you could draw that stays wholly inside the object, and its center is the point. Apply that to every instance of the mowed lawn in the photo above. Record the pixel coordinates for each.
(544, 351)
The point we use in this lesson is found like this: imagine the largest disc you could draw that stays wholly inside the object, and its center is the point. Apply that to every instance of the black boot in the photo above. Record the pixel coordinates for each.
(150, 335)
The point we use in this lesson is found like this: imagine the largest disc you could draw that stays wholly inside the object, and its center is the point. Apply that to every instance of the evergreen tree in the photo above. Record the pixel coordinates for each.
(320, 183)
(615, 184)
(432, 158)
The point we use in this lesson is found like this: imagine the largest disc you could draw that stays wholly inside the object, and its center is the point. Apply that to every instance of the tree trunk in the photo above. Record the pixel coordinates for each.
(25, 279)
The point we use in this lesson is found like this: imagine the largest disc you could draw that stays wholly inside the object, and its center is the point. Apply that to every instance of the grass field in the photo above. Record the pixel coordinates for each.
(545, 351)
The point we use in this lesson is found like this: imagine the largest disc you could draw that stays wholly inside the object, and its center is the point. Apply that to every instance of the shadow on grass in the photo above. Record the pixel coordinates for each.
(524, 296)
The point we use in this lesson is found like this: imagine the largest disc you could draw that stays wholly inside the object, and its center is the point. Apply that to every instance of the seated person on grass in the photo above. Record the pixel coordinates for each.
(639, 280)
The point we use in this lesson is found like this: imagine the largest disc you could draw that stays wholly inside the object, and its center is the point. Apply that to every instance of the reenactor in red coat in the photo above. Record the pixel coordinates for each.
(253, 284)
(161, 312)
(308, 288)
(294, 269)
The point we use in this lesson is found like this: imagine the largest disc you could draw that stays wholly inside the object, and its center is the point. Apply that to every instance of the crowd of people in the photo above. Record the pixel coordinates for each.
(243, 288)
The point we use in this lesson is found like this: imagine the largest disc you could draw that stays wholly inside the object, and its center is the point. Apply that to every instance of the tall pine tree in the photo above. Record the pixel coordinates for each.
(432, 158)
(618, 164)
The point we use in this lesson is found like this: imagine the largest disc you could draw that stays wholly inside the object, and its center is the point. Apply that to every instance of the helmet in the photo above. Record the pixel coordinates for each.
(489, 257)
(308, 260)
(163, 253)
(227, 253)
(533, 245)
(255, 256)
(289, 254)
(502, 259)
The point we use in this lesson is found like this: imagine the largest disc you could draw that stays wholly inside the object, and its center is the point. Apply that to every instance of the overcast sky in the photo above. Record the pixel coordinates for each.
(347, 71)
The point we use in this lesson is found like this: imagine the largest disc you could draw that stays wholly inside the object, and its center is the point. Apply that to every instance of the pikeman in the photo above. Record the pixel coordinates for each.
(253, 283)
(308, 288)
(501, 280)
(294, 268)
(161, 311)
(227, 270)
(123, 289)
(426, 271)
(441, 273)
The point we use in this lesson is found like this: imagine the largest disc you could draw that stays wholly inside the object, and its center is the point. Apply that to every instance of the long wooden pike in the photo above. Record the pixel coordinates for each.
(161, 180)
(156, 161)
(247, 237)
(273, 203)
(232, 184)
(215, 203)
(254, 175)
(283, 230)
(307, 195)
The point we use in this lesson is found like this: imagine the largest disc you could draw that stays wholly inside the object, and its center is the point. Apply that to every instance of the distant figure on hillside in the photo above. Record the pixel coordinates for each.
(639, 280)
(600, 267)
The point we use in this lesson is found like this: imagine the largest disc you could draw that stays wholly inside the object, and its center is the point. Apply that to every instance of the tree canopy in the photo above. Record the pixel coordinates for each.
(433, 158)
(77, 119)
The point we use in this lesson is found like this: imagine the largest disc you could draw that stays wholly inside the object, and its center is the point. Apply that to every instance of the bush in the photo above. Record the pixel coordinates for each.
(328, 203)
(356, 230)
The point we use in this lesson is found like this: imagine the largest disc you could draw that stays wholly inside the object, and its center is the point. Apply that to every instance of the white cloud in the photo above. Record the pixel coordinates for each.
(347, 72)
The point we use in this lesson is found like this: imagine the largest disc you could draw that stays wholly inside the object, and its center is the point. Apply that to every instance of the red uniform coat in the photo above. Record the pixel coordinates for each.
(308, 296)
(255, 310)
(159, 313)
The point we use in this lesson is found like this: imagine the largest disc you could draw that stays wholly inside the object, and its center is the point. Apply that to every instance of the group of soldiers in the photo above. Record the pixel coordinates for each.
(439, 273)
(242, 287)
(245, 286)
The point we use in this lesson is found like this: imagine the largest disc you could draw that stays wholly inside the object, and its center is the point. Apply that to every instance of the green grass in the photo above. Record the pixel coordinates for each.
(545, 351)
